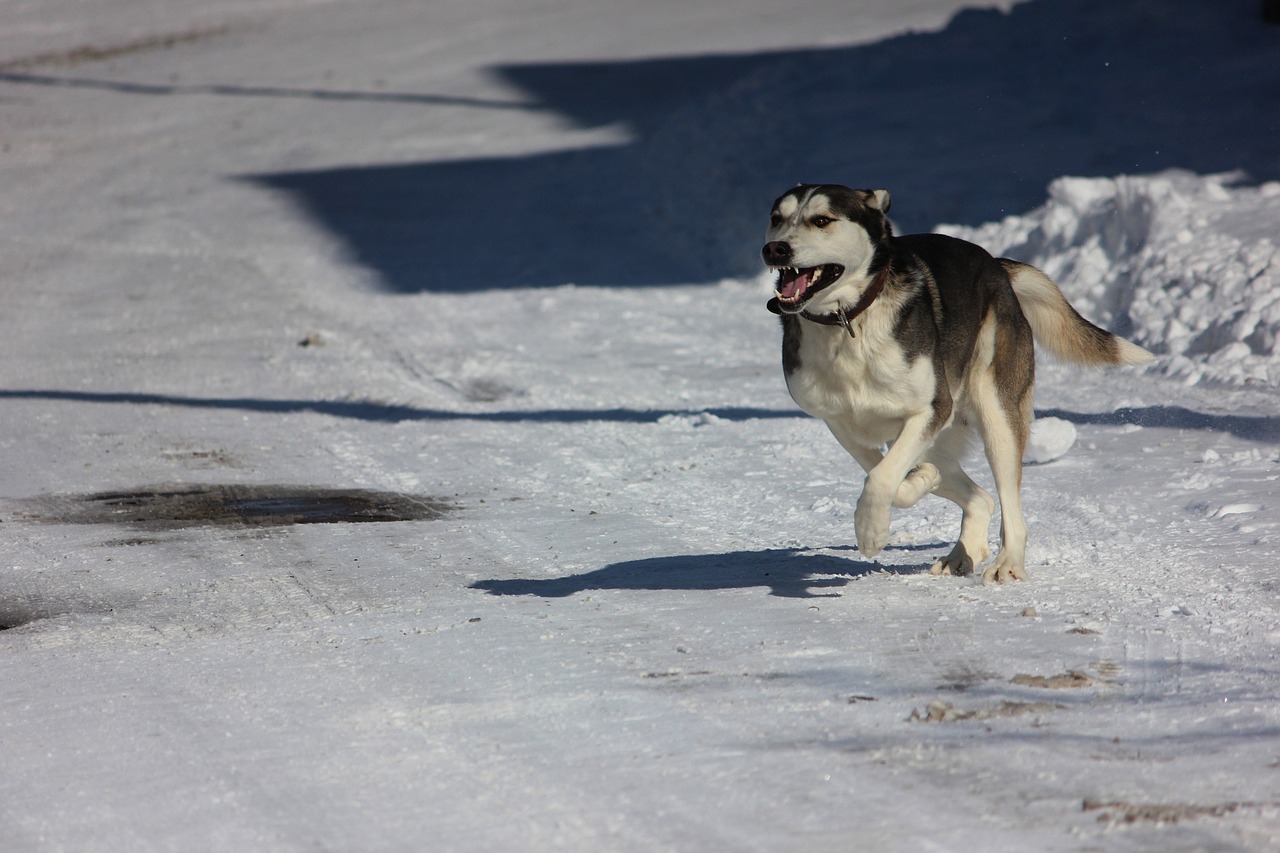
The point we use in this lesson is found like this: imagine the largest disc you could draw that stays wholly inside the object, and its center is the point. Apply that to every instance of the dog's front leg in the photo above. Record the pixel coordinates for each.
(871, 518)
(920, 481)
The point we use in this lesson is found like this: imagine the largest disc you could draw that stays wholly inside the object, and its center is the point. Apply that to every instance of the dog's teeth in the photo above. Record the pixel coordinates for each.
(817, 274)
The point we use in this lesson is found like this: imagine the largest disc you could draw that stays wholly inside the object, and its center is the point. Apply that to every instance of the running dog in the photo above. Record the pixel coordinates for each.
(912, 342)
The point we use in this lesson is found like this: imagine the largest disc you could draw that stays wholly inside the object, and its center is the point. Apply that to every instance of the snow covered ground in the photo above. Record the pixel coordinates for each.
(488, 267)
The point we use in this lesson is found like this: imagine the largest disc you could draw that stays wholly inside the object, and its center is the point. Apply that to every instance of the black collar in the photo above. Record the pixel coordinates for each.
(846, 317)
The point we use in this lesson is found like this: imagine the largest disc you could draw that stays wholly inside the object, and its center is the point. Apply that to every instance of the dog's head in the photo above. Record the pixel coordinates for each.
(821, 235)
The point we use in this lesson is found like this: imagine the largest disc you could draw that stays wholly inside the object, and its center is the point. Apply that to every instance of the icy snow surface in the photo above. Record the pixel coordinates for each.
(396, 454)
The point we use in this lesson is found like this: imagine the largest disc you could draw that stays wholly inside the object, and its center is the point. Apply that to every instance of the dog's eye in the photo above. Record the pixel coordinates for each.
(775, 220)
(821, 221)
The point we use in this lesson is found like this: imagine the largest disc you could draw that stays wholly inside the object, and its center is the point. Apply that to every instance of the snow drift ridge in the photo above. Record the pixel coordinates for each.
(1183, 264)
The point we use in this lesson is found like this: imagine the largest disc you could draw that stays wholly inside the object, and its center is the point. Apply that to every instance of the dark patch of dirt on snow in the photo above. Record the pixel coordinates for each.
(1068, 680)
(170, 507)
(1163, 813)
(939, 711)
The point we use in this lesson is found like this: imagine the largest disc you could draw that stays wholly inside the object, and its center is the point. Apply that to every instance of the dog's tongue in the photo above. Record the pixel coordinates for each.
(791, 287)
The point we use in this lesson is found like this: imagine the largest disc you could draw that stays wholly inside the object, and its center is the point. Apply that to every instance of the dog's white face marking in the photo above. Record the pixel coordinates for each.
(821, 255)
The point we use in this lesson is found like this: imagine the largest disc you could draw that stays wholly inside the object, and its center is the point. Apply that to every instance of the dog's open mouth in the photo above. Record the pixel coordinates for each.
(795, 285)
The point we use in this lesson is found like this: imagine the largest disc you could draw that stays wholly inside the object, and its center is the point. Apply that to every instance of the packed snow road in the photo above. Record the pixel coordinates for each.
(397, 457)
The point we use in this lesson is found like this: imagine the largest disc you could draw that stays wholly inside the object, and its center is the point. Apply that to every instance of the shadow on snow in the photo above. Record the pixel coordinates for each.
(393, 413)
(1250, 427)
(786, 572)
(964, 125)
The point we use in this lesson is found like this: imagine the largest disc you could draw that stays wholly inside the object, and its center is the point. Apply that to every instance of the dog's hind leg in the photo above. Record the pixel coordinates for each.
(1005, 427)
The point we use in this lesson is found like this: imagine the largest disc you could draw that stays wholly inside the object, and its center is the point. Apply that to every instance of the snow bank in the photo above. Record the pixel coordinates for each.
(1185, 265)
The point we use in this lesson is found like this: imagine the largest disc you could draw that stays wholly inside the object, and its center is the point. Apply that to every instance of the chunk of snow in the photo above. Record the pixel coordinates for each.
(1050, 439)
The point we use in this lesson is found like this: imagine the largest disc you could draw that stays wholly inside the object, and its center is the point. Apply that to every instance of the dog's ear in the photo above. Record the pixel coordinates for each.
(880, 200)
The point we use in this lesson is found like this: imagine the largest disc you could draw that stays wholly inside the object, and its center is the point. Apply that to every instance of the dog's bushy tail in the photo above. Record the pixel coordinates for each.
(1060, 329)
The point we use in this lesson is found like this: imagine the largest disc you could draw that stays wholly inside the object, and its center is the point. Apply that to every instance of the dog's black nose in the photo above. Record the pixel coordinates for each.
(776, 253)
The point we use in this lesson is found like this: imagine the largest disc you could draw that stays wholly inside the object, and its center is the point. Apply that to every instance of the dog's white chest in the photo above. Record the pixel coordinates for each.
(864, 381)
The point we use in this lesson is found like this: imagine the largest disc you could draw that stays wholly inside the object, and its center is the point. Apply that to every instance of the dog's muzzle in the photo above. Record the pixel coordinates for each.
(776, 253)
(796, 285)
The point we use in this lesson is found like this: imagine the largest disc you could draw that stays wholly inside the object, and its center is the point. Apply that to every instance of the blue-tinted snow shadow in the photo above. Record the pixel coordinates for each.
(786, 572)
(1250, 427)
(393, 413)
(963, 125)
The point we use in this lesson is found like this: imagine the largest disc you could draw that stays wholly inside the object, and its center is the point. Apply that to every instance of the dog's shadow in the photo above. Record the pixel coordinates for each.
(785, 572)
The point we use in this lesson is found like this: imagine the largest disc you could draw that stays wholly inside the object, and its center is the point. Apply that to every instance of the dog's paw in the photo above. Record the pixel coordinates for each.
(959, 563)
(871, 525)
(1004, 569)
(922, 480)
